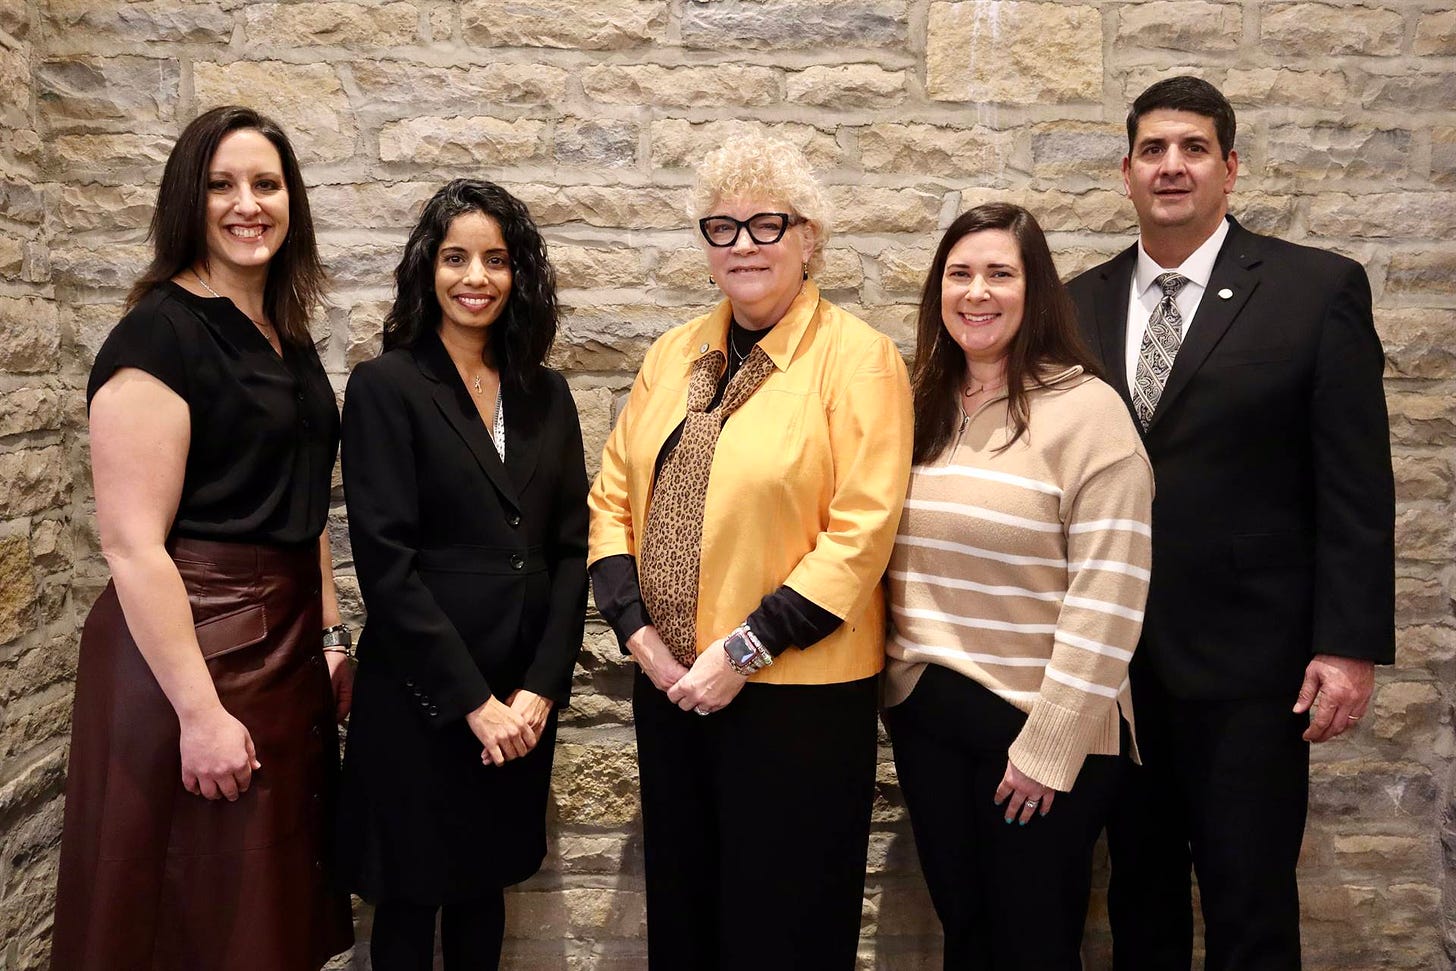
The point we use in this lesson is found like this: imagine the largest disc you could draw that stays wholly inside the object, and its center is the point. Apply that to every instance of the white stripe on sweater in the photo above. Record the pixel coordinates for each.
(1005, 478)
(980, 623)
(1097, 525)
(1104, 607)
(1012, 558)
(1111, 566)
(981, 512)
(1079, 684)
(1096, 647)
(956, 654)
(955, 584)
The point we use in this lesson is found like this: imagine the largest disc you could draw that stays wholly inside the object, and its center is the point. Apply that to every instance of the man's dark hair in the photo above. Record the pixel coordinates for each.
(1185, 93)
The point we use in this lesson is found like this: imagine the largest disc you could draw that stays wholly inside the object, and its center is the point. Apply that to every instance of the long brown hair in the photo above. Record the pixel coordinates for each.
(1047, 337)
(179, 222)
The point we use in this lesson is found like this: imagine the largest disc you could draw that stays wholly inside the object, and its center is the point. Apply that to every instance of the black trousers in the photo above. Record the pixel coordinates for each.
(471, 934)
(756, 824)
(1008, 896)
(1223, 788)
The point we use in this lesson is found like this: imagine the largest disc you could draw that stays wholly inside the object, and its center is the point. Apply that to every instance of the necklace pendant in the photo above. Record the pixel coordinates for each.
(478, 388)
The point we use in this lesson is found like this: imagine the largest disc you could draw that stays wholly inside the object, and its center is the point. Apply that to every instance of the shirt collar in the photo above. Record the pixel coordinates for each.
(1197, 268)
(711, 331)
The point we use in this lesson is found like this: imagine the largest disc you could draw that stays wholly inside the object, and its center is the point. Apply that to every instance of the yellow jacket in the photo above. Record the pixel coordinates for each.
(807, 481)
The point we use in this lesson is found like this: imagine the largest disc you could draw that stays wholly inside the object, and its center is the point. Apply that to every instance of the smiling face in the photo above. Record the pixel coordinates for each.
(760, 280)
(1177, 177)
(472, 273)
(982, 294)
(247, 203)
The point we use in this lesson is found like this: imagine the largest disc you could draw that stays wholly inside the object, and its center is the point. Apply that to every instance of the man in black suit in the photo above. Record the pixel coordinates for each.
(1253, 368)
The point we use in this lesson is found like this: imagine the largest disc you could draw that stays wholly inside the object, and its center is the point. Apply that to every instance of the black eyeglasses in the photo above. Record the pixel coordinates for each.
(764, 228)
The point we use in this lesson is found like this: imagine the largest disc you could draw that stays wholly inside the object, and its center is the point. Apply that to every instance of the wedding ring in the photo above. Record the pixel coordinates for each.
(1352, 718)
(701, 711)
(1033, 803)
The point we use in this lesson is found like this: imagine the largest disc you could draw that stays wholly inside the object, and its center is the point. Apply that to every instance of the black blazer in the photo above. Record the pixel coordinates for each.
(474, 579)
(1274, 517)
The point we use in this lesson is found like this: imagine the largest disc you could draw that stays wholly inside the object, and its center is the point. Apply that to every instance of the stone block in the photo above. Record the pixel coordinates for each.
(463, 141)
(87, 265)
(1408, 90)
(354, 262)
(1425, 272)
(352, 25)
(370, 205)
(841, 271)
(405, 88)
(30, 335)
(950, 150)
(366, 331)
(730, 84)
(843, 86)
(1405, 711)
(441, 22)
(121, 208)
(41, 715)
(597, 267)
(1443, 155)
(1091, 150)
(84, 24)
(1435, 34)
(17, 584)
(15, 18)
(38, 479)
(1095, 210)
(1417, 215)
(1182, 25)
(308, 100)
(1421, 476)
(1260, 87)
(685, 268)
(877, 209)
(1422, 418)
(1429, 647)
(902, 269)
(731, 24)
(609, 206)
(589, 854)
(1301, 30)
(22, 202)
(596, 784)
(598, 143)
(594, 411)
(578, 912)
(78, 91)
(1425, 534)
(27, 410)
(12, 256)
(1013, 52)
(124, 158)
(676, 143)
(589, 24)
(1264, 212)
(1336, 150)
(1417, 341)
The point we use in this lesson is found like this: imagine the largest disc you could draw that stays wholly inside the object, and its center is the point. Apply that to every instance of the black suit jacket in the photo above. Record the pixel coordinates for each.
(474, 578)
(1274, 516)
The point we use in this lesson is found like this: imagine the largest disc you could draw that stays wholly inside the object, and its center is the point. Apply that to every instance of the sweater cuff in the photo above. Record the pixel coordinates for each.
(1053, 744)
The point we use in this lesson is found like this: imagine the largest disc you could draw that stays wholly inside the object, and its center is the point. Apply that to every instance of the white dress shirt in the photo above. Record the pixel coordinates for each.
(1146, 294)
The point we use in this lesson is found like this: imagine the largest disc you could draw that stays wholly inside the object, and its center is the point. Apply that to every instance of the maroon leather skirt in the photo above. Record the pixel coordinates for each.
(153, 877)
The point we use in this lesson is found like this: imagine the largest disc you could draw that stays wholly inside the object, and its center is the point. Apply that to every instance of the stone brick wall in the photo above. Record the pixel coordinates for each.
(593, 111)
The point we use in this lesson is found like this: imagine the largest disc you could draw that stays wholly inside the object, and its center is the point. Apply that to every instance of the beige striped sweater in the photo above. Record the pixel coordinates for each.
(1027, 569)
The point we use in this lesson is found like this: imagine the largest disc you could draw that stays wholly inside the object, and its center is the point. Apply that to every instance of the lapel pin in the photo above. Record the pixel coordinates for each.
(1225, 293)
(703, 349)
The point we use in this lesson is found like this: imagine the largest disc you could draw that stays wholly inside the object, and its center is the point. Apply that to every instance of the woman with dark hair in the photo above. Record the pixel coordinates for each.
(212, 668)
(1016, 594)
(466, 489)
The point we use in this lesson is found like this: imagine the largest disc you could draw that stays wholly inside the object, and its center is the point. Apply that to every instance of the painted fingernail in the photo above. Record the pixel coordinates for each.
(1008, 820)
(1021, 822)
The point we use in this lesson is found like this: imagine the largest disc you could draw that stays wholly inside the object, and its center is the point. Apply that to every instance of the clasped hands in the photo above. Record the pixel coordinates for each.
(709, 685)
(510, 729)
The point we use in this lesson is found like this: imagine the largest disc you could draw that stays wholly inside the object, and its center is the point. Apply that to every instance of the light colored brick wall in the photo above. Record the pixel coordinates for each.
(593, 111)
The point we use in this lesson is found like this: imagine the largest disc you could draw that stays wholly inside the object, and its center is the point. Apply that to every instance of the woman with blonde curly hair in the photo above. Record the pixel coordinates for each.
(744, 514)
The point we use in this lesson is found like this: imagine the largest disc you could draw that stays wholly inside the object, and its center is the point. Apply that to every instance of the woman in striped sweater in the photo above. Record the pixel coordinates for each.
(1017, 587)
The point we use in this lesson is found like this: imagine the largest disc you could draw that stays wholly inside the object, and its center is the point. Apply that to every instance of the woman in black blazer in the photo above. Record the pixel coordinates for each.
(473, 572)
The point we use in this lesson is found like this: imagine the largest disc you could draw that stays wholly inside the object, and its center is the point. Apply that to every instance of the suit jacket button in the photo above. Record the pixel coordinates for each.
(513, 520)
(518, 562)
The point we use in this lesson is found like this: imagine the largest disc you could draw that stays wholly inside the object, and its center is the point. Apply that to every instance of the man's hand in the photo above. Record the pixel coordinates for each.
(1337, 691)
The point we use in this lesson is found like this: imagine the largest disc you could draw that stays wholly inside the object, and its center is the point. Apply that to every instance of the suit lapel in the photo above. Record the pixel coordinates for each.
(1111, 310)
(453, 401)
(525, 418)
(1234, 272)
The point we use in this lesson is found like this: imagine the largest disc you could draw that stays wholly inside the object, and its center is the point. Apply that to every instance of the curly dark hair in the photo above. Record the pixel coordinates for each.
(1048, 335)
(178, 232)
(522, 336)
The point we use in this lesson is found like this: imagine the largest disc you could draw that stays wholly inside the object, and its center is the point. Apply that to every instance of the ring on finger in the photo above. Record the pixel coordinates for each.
(1032, 803)
(701, 710)
(1352, 718)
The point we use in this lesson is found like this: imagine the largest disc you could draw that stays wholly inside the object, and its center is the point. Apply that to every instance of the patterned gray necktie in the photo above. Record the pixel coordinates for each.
(1160, 346)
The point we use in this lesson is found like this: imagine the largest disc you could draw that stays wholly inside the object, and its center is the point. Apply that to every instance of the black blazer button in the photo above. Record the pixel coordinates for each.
(513, 520)
(434, 711)
(409, 682)
(518, 562)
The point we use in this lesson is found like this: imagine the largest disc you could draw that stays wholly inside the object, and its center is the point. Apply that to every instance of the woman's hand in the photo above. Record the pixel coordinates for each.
(532, 707)
(710, 684)
(504, 733)
(655, 659)
(1026, 795)
(341, 676)
(218, 760)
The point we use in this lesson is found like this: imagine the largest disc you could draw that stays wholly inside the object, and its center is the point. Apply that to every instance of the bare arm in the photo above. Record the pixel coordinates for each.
(139, 436)
(341, 671)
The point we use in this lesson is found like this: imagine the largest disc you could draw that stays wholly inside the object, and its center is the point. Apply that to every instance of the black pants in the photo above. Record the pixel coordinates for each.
(1008, 896)
(756, 824)
(471, 932)
(1224, 787)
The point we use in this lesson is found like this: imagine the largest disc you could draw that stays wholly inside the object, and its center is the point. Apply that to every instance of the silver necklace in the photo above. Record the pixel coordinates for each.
(739, 356)
(264, 327)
